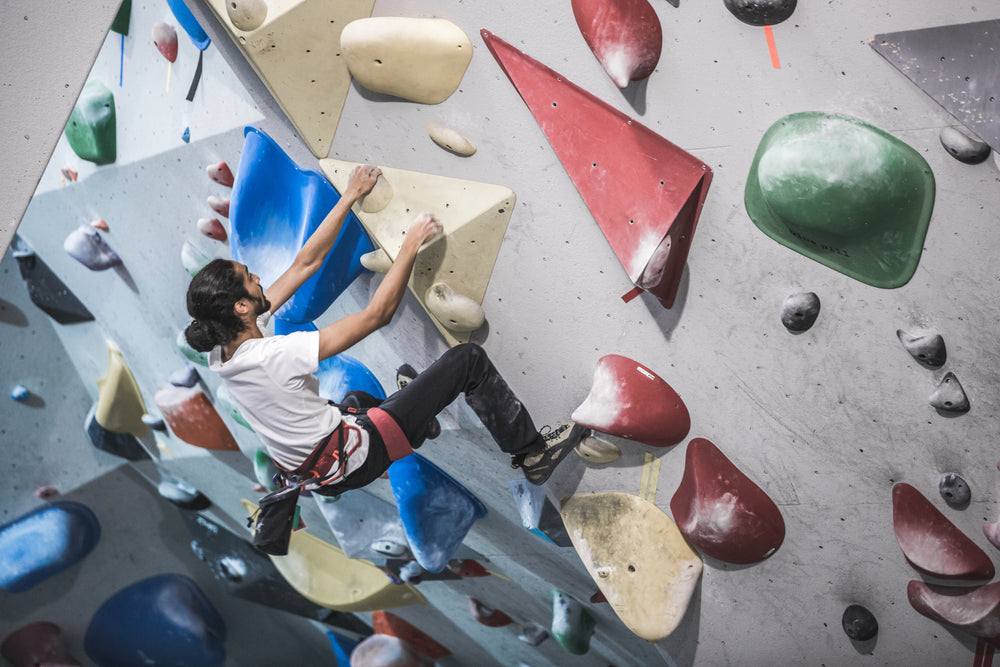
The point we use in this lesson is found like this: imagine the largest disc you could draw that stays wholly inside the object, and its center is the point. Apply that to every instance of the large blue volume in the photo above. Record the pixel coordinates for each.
(44, 542)
(189, 23)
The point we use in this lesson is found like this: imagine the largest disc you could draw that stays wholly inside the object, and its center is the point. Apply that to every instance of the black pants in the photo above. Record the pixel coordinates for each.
(463, 369)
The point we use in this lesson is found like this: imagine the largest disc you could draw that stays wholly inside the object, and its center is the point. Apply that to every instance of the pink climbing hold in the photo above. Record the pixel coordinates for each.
(992, 532)
(221, 174)
(721, 511)
(46, 492)
(212, 228)
(625, 35)
(193, 418)
(386, 651)
(99, 223)
(931, 543)
(165, 38)
(69, 173)
(219, 204)
(598, 598)
(491, 618)
(39, 643)
(629, 400)
(974, 610)
(467, 568)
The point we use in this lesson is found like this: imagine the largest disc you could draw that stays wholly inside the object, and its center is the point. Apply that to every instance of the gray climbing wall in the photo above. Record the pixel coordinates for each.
(825, 421)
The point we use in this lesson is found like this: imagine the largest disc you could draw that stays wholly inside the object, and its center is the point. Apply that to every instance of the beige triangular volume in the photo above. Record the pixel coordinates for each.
(119, 402)
(474, 216)
(296, 53)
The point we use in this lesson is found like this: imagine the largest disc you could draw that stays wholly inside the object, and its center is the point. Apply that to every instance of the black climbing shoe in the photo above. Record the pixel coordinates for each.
(405, 374)
(559, 442)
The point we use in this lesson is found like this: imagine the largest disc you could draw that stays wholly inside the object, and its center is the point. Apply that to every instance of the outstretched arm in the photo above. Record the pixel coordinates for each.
(318, 246)
(345, 332)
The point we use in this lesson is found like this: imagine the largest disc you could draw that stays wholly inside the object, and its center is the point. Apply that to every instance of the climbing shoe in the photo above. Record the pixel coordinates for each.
(559, 442)
(405, 374)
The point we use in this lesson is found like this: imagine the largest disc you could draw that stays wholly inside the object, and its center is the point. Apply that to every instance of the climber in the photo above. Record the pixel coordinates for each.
(344, 447)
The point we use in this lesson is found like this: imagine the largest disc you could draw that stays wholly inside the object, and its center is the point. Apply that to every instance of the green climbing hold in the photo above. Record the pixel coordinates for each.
(200, 358)
(572, 624)
(120, 24)
(265, 470)
(844, 193)
(91, 127)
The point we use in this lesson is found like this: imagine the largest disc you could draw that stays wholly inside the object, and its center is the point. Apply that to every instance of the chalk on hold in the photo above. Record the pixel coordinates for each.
(386, 623)
(212, 228)
(221, 174)
(412, 573)
(219, 204)
(597, 450)
(625, 36)
(450, 139)
(380, 650)
(193, 418)
(973, 610)
(859, 623)
(491, 618)
(186, 376)
(165, 39)
(20, 393)
(44, 542)
(91, 130)
(193, 259)
(182, 494)
(533, 634)
(455, 311)
(761, 12)
(572, 625)
(955, 491)
(962, 147)
(949, 395)
(799, 311)
(246, 15)
(85, 245)
(418, 59)
(927, 348)
(377, 261)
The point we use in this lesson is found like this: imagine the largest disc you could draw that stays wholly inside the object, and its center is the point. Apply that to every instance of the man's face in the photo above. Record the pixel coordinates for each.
(255, 293)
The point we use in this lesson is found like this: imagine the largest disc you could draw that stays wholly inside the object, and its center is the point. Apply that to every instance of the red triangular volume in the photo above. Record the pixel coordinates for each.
(644, 192)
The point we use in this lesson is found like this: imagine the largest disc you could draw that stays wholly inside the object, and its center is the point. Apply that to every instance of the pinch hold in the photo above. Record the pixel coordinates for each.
(962, 147)
(212, 228)
(949, 395)
(799, 311)
(219, 204)
(221, 174)
(927, 348)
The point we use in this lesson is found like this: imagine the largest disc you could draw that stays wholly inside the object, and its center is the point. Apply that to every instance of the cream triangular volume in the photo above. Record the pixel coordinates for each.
(474, 217)
(296, 52)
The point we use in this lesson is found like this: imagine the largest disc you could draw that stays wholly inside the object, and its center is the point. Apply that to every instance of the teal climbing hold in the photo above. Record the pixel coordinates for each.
(200, 358)
(44, 542)
(91, 128)
(572, 624)
(265, 470)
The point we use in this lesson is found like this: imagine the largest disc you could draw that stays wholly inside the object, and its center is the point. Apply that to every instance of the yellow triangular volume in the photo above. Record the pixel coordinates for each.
(119, 402)
(296, 53)
(474, 216)
(323, 574)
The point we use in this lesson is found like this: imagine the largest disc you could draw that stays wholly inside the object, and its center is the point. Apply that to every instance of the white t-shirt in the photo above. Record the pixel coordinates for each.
(272, 383)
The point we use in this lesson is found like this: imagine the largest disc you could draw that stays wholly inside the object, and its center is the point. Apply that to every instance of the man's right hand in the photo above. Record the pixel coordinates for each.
(423, 229)
(361, 181)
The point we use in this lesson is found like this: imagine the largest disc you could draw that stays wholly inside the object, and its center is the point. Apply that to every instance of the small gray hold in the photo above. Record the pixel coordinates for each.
(761, 12)
(955, 491)
(799, 311)
(928, 348)
(859, 623)
(949, 395)
(533, 634)
(970, 150)
(155, 423)
(187, 376)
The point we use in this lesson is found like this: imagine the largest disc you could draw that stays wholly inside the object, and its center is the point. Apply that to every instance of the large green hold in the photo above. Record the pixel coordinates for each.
(91, 127)
(572, 624)
(122, 18)
(843, 193)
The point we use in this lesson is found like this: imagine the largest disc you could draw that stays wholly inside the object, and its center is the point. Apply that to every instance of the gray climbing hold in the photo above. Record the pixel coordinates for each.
(962, 147)
(390, 548)
(955, 491)
(949, 395)
(533, 634)
(927, 348)
(182, 494)
(859, 623)
(155, 423)
(85, 245)
(799, 311)
(761, 12)
(187, 376)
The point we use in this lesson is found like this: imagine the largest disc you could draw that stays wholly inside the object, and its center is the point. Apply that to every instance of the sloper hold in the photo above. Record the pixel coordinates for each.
(165, 39)
(645, 193)
(761, 12)
(296, 53)
(189, 23)
(955, 65)
(212, 228)
(193, 419)
(450, 140)
(44, 542)
(323, 574)
(625, 35)
(538, 514)
(85, 245)
(275, 207)
(629, 400)
(491, 618)
(721, 511)
(387, 623)
(799, 311)
(219, 204)
(120, 444)
(927, 348)
(45, 289)
(91, 129)
(962, 147)
(931, 543)
(119, 401)
(162, 620)
(341, 374)
(859, 624)
(418, 59)
(386, 651)
(437, 512)
(949, 395)
(247, 15)
(361, 521)
(637, 557)
(467, 568)
(973, 610)
(843, 193)
(455, 311)
(474, 216)
(572, 625)
(264, 470)
(38, 644)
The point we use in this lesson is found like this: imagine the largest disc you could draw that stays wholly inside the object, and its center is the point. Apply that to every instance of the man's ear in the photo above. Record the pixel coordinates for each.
(241, 307)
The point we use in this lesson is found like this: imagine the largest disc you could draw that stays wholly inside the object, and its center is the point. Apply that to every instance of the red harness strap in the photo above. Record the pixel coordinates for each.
(395, 440)
(327, 453)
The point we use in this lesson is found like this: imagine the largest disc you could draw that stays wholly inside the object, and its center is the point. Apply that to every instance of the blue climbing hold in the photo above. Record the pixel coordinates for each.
(19, 393)
(282, 327)
(164, 620)
(437, 512)
(275, 207)
(190, 24)
(44, 542)
(342, 648)
(186, 135)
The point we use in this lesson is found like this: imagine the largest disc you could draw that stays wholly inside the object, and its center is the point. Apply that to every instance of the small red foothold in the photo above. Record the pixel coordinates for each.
(98, 223)
(69, 173)
(221, 174)
(598, 598)
(259, 488)
(219, 204)
(165, 38)
(212, 228)
(46, 492)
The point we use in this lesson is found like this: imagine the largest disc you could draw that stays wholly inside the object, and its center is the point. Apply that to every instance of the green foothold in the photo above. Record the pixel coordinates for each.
(264, 470)
(120, 24)
(200, 358)
(844, 193)
(91, 127)
(225, 400)
(572, 624)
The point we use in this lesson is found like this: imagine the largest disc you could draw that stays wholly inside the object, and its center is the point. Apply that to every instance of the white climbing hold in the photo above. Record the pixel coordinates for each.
(927, 348)
(246, 15)
(598, 450)
(379, 197)
(85, 245)
(193, 259)
(455, 311)
(377, 261)
(449, 139)
(949, 395)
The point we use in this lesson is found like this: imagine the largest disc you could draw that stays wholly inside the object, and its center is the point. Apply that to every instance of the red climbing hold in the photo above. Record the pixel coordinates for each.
(46, 492)
(467, 568)
(98, 223)
(69, 173)
(974, 610)
(625, 35)
(385, 623)
(220, 173)
(219, 204)
(212, 228)
(491, 618)
(193, 418)
(165, 38)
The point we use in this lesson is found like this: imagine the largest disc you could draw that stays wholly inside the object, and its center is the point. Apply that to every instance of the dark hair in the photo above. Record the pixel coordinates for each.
(210, 299)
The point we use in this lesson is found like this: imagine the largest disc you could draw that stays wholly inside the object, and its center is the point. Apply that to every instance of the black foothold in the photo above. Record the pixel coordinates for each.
(799, 311)
(949, 395)
(859, 623)
(761, 12)
(955, 491)
(970, 150)
(928, 348)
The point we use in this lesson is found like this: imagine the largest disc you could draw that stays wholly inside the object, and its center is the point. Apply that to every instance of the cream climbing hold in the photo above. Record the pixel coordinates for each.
(453, 310)
(379, 197)
(474, 216)
(598, 450)
(246, 15)
(377, 261)
(449, 139)
(119, 402)
(421, 60)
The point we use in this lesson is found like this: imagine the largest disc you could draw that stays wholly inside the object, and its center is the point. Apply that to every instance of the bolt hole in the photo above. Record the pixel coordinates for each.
(631, 568)
(555, 104)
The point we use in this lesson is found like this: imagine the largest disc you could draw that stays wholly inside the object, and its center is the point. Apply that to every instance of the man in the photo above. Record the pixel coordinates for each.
(271, 377)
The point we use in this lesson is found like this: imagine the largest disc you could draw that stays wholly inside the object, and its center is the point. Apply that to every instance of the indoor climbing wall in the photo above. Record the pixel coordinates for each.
(749, 244)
